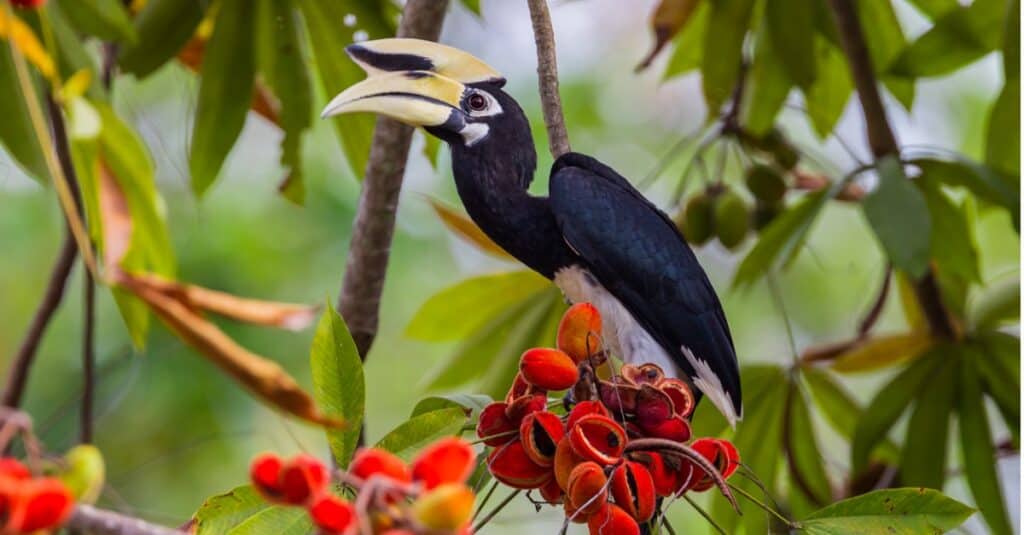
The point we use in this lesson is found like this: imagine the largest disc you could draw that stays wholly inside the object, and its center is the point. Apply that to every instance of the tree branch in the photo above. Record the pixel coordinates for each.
(88, 358)
(547, 77)
(883, 143)
(374, 226)
(89, 519)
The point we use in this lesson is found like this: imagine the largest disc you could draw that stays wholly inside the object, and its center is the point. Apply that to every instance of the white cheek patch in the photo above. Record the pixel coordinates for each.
(474, 132)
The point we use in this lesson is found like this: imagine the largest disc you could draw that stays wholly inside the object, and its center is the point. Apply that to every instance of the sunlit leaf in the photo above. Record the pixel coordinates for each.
(218, 514)
(723, 50)
(887, 406)
(431, 147)
(795, 48)
(106, 19)
(899, 216)
(338, 383)
(277, 519)
(952, 241)
(668, 18)
(841, 410)
(826, 98)
(781, 240)
(1002, 139)
(766, 89)
(806, 465)
(957, 38)
(228, 72)
(979, 454)
(16, 133)
(457, 311)
(995, 304)
(472, 5)
(467, 229)
(934, 8)
(923, 458)
(981, 180)
(688, 46)
(883, 351)
(893, 511)
(163, 27)
(418, 431)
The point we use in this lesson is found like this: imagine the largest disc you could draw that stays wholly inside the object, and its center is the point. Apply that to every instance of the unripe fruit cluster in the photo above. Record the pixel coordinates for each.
(583, 460)
(29, 504)
(427, 495)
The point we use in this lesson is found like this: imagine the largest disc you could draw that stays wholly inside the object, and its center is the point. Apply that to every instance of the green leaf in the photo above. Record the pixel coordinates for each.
(279, 520)
(978, 452)
(689, 44)
(418, 431)
(957, 38)
(106, 19)
(826, 98)
(16, 133)
(767, 87)
(472, 5)
(892, 511)
(759, 440)
(1002, 138)
(935, 8)
(795, 48)
(279, 56)
(226, 81)
(163, 27)
(1011, 41)
(805, 461)
(462, 309)
(781, 240)
(882, 33)
(979, 179)
(337, 71)
(723, 50)
(997, 358)
(923, 458)
(952, 243)
(842, 411)
(339, 387)
(218, 514)
(899, 216)
(431, 147)
(471, 404)
(887, 406)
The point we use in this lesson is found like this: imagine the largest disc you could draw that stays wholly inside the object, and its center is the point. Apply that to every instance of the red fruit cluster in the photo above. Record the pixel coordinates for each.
(584, 460)
(435, 481)
(29, 504)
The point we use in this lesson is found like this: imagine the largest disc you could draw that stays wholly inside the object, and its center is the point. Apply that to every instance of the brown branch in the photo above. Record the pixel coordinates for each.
(88, 358)
(883, 143)
(89, 519)
(374, 226)
(547, 77)
(876, 309)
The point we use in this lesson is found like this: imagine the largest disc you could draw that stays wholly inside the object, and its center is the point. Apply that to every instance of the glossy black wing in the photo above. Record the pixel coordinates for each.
(639, 256)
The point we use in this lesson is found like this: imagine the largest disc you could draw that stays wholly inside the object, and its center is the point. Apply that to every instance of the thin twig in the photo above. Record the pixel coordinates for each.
(547, 77)
(374, 226)
(789, 523)
(88, 358)
(89, 519)
(483, 522)
(876, 309)
(704, 514)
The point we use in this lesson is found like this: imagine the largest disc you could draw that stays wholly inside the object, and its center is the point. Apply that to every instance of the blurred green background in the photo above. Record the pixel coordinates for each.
(174, 430)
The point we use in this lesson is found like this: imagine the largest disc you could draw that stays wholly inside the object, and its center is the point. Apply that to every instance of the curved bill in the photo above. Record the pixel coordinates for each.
(416, 98)
(398, 54)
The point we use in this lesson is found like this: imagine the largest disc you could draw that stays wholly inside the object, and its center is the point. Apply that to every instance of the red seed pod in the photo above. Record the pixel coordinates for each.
(524, 405)
(494, 425)
(664, 472)
(47, 504)
(370, 462)
(584, 408)
(683, 401)
(521, 387)
(449, 460)
(643, 374)
(675, 428)
(303, 478)
(510, 465)
(652, 406)
(579, 332)
(588, 488)
(540, 433)
(571, 513)
(14, 469)
(632, 487)
(598, 438)
(332, 514)
(551, 492)
(617, 396)
(565, 460)
(265, 473)
(550, 369)
(720, 453)
(612, 520)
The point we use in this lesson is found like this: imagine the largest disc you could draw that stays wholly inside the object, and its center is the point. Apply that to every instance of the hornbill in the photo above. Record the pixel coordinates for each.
(594, 235)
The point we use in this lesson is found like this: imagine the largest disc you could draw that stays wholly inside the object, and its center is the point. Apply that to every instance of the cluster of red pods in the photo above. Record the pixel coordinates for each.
(29, 504)
(428, 495)
(610, 457)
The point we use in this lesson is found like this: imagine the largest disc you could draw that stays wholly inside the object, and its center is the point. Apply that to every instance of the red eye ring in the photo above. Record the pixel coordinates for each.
(477, 102)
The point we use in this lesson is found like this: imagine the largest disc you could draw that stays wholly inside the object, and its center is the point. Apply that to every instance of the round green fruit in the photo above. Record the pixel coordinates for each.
(776, 144)
(732, 221)
(765, 213)
(765, 183)
(697, 220)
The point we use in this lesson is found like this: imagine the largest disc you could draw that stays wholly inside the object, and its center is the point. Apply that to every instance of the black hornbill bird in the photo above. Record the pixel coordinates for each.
(595, 235)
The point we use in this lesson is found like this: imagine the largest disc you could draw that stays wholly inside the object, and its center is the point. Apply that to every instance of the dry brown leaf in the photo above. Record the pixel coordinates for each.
(293, 317)
(116, 221)
(263, 377)
(463, 226)
(668, 19)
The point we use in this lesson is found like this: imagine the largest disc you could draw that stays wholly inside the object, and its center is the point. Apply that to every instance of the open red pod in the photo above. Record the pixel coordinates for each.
(584, 408)
(632, 486)
(588, 488)
(518, 409)
(494, 426)
(565, 460)
(512, 466)
(721, 453)
(612, 520)
(370, 462)
(664, 472)
(540, 433)
(303, 478)
(265, 473)
(683, 401)
(550, 369)
(675, 428)
(598, 438)
(333, 515)
(643, 374)
(449, 460)
(652, 406)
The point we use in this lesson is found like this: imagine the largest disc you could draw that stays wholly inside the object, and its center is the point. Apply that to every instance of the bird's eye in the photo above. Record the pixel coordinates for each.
(477, 102)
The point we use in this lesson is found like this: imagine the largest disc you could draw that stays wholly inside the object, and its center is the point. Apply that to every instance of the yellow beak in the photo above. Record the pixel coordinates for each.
(416, 98)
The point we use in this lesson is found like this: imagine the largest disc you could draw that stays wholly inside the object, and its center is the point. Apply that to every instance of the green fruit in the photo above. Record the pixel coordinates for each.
(765, 213)
(731, 219)
(776, 144)
(765, 183)
(84, 472)
(697, 221)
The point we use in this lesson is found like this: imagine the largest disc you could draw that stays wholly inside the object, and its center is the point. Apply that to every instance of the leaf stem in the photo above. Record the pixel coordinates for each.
(494, 512)
(789, 523)
(704, 514)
